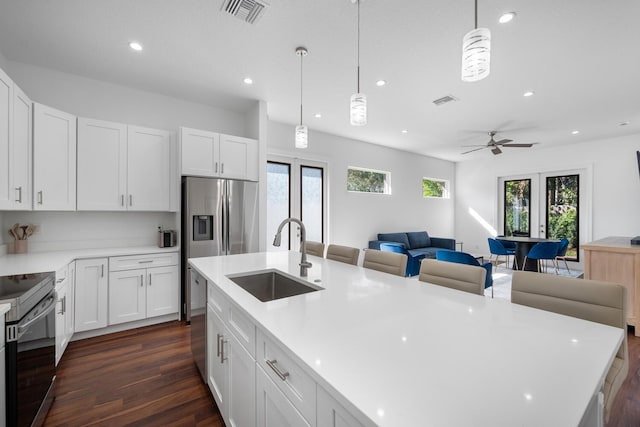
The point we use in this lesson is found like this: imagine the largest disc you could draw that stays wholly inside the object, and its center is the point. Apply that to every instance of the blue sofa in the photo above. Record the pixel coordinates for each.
(416, 245)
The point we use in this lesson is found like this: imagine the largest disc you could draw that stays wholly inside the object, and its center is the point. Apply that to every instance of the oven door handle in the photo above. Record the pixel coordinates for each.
(51, 304)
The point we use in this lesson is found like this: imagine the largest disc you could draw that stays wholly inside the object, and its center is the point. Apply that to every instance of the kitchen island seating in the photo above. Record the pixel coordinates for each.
(345, 254)
(543, 251)
(315, 248)
(388, 262)
(592, 300)
(467, 278)
(416, 245)
(468, 259)
(498, 248)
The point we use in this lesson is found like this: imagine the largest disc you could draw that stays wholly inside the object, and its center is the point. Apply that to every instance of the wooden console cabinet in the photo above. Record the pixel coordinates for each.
(615, 259)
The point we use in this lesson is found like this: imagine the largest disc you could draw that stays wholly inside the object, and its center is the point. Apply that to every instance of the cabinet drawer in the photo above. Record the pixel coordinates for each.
(131, 262)
(288, 376)
(216, 300)
(243, 329)
(61, 276)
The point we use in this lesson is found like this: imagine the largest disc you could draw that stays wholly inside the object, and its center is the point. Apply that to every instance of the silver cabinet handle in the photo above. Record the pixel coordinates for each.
(40, 197)
(130, 200)
(64, 304)
(122, 200)
(222, 343)
(219, 336)
(61, 306)
(102, 270)
(222, 168)
(145, 261)
(149, 279)
(216, 167)
(19, 192)
(141, 280)
(282, 375)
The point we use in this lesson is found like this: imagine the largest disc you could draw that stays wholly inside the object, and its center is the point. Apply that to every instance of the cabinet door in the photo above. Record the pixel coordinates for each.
(91, 296)
(60, 321)
(200, 150)
(241, 388)
(216, 371)
(274, 409)
(127, 296)
(7, 196)
(238, 157)
(54, 159)
(70, 303)
(163, 290)
(333, 414)
(102, 165)
(22, 131)
(149, 169)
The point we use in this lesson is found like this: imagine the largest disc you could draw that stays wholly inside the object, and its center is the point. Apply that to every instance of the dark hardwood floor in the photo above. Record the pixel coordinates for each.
(146, 377)
(142, 377)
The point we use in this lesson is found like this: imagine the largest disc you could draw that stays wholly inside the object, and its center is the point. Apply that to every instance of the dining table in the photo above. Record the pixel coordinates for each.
(523, 246)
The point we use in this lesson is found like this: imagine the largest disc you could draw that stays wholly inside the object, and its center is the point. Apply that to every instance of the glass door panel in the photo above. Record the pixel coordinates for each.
(311, 201)
(562, 194)
(278, 202)
(517, 207)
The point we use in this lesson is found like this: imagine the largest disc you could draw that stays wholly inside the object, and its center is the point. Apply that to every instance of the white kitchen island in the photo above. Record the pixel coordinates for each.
(398, 352)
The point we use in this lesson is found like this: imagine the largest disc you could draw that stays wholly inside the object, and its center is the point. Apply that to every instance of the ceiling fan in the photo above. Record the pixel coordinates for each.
(495, 145)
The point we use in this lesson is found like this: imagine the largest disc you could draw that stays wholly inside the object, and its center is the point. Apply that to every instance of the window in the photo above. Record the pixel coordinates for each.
(368, 181)
(435, 188)
(517, 216)
(562, 206)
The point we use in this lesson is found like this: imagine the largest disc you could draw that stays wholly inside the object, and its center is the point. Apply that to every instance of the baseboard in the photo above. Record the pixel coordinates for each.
(124, 326)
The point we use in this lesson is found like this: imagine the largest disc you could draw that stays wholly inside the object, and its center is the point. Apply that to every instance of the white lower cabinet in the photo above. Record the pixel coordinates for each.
(140, 293)
(65, 291)
(333, 414)
(274, 409)
(91, 294)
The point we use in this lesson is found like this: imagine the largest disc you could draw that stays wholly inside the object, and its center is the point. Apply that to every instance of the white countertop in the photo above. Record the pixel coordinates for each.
(38, 262)
(407, 353)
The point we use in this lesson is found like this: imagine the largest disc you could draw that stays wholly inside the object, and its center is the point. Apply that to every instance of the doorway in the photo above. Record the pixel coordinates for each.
(296, 188)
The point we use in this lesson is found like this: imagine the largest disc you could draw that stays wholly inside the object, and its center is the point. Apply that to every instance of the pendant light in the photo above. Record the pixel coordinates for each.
(302, 133)
(358, 100)
(476, 52)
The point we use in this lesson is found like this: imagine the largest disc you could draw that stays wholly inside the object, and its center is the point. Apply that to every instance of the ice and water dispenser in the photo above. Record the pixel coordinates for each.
(202, 227)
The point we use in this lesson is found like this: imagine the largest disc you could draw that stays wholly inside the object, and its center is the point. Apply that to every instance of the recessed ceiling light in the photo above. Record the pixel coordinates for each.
(135, 46)
(575, 132)
(317, 115)
(381, 82)
(528, 93)
(507, 17)
(248, 81)
(404, 131)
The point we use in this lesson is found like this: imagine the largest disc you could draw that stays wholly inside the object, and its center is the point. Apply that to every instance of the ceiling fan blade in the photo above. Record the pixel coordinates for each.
(518, 145)
(503, 141)
(496, 150)
(475, 145)
(475, 149)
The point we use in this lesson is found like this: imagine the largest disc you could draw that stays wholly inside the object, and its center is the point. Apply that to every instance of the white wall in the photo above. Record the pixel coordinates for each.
(615, 193)
(357, 218)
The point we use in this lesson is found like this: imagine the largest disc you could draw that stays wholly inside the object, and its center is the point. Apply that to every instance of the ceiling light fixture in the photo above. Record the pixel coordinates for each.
(507, 17)
(318, 115)
(302, 133)
(248, 81)
(135, 46)
(404, 131)
(381, 82)
(358, 106)
(476, 52)
(528, 93)
(575, 132)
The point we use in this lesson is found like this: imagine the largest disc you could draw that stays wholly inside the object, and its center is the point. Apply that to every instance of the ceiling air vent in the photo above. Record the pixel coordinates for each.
(445, 99)
(246, 10)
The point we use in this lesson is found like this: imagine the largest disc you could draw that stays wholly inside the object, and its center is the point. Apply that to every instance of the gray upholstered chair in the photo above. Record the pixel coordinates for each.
(345, 254)
(315, 248)
(467, 278)
(592, 300)
(388, 262)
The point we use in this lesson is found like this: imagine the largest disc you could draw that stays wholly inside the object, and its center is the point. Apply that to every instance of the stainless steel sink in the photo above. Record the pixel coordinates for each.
(269, 285)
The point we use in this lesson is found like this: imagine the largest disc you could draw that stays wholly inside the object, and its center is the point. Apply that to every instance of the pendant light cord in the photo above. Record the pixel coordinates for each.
(301, 55)
(359, 45)
(476, 14)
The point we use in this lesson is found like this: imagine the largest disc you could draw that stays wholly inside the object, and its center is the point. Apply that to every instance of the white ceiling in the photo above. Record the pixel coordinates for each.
(582, 59)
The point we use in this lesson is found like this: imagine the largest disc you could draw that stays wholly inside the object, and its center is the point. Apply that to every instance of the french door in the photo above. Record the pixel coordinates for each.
(295, 188)
(549, 205)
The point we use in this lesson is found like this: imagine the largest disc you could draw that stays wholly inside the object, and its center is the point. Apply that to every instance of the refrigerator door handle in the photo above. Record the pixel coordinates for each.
(227, 243)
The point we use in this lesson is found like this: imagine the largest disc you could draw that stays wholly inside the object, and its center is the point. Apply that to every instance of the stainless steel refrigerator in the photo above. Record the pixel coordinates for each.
(219, 217)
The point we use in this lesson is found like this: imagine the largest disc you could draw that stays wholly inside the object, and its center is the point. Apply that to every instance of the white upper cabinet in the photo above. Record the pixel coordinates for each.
(149, 169)
(54, 159)
(102, 165)
(124, 167)
(216, 155)
(15, 146)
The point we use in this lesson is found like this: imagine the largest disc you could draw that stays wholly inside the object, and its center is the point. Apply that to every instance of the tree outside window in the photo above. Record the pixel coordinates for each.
(368, 181)
(435, 188)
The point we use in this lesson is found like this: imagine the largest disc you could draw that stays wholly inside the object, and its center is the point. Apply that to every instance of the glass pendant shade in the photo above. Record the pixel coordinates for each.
(358, 109)
(476, 55)
(302, 136)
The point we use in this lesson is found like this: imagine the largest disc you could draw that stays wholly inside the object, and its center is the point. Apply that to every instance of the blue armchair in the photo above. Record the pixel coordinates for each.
(465, 258)
(416, 245)
(543, 250)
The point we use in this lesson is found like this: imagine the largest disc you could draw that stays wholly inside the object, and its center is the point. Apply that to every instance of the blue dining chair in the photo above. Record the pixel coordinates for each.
(465, 258)
(562, 254)
(542, 251)
(497, 248)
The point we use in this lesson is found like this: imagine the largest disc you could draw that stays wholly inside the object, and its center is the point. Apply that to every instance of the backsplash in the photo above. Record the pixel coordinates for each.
(78, 230)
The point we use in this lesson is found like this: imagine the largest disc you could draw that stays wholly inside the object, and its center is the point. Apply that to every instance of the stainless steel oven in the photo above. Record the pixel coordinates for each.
(30, 347)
